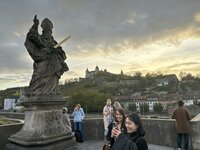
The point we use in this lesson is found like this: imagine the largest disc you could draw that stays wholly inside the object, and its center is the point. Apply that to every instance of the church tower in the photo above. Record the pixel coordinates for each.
(122, 73)
(86, 73)
(96, 69)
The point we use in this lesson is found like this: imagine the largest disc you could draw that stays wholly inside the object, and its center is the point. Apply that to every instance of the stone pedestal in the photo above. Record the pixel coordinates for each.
(43, 128)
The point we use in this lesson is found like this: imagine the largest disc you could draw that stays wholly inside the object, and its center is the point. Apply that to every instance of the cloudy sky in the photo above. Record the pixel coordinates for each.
(129, 35)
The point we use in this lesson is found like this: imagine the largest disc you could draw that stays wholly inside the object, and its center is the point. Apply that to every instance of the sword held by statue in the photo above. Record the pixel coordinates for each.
(65, 39)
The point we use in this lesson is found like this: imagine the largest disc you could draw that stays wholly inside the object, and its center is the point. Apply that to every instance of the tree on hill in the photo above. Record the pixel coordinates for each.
(137, 75)
(144, 108)
(91, 101)
(157, 107)
(132, 107)
(188, 76)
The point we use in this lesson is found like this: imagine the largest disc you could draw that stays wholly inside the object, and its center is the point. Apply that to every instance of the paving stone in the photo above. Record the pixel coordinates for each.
(98, 145)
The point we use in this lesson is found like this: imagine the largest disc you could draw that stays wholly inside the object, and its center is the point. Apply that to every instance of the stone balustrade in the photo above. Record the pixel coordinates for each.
(158, 131)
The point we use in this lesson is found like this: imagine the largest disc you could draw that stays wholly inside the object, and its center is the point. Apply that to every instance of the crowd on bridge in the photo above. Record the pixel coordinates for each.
(125, 131)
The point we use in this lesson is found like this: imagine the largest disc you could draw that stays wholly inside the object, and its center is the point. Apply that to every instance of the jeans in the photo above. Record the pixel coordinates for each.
(79, 126)
(105, 132)
(186, 140)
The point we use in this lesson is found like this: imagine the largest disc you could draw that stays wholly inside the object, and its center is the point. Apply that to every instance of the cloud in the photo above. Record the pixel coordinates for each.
(144, 35)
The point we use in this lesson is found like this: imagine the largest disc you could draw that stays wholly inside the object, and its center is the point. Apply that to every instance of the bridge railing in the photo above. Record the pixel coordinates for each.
(158, 131)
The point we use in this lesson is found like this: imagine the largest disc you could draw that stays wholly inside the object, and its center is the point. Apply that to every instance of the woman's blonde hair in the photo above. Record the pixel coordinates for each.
(117, 105)
(78, 105)
(108, 101)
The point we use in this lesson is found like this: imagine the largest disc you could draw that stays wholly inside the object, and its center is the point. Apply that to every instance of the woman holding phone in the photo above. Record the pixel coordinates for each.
(118, 124)
(134, 139)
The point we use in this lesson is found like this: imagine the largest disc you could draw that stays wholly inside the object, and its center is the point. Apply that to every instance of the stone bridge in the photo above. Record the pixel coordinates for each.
(158, 131)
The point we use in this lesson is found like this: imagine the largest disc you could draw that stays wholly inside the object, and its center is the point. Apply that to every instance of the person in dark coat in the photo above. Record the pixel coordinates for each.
(182, 117)
(134, 139)
(119, 123)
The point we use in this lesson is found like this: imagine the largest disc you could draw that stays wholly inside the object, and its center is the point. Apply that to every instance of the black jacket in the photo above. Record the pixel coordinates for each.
(130, 142)
(108, 137)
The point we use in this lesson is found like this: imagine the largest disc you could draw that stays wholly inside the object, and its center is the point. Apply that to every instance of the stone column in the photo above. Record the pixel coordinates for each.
(43, 128)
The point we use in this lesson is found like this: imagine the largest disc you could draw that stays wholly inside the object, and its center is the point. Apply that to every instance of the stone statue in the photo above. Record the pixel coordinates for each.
(49, 62)
(43, 127)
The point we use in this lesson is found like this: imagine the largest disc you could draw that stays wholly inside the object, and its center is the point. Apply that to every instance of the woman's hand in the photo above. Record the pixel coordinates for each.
(115, 132)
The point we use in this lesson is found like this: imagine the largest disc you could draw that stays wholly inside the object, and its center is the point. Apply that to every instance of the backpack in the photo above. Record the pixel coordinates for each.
(77, 134)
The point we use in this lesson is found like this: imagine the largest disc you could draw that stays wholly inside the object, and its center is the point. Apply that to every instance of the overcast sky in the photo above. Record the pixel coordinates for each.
(129, 35)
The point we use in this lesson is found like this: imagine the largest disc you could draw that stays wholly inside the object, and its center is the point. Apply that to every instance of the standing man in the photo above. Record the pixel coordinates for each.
(78, 115)
(182, 117)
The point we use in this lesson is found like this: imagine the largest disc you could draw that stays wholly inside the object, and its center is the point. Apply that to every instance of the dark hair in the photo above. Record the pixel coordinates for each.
(136, 119)
(121, 111)
(180, 103)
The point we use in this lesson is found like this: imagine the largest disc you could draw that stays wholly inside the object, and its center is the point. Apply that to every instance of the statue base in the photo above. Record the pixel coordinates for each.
(43, 127)
(68, 144)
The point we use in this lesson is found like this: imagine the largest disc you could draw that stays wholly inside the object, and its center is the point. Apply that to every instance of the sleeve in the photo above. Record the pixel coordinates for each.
(108, 136)
(105, 111)
(34, 37)
(73, 113)
(173, 115)
(83, 114)
(188, 115)
(33, 32)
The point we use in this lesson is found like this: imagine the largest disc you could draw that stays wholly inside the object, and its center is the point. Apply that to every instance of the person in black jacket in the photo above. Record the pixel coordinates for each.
(119, 123)
(134, 139)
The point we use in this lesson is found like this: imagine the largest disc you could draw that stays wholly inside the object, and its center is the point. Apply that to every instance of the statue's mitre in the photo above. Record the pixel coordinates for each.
(47, 24)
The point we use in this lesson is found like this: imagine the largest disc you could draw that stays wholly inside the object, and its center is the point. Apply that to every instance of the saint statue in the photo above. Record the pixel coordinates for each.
(49, 60)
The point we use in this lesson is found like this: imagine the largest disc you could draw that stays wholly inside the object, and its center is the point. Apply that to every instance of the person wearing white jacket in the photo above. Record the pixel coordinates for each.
(107, 116)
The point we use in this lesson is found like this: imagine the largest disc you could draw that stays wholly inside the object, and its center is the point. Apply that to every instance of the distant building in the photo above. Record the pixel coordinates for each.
(152, 99)
(126, 100)
(9, 104)
(188, 99)
(91, 74)
(172, 78)
(188, 102)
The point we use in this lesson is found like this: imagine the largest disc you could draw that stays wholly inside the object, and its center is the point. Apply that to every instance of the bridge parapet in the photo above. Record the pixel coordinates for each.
(158, 131)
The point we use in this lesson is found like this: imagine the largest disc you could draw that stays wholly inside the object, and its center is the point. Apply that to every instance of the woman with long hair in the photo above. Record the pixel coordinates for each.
(134, 139)
(119, 123)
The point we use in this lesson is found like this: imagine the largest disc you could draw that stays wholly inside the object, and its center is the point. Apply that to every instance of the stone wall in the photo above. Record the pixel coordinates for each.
(6, 131)
(12, 115)
(158, 131)
(93, 129)
(195, 127)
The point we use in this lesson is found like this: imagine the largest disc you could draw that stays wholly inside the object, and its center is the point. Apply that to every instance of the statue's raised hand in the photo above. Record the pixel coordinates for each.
(35, 20)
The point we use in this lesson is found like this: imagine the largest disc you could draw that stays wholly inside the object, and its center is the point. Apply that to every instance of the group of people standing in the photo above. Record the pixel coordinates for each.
(121, 131)
(78, 116)
(126, 132)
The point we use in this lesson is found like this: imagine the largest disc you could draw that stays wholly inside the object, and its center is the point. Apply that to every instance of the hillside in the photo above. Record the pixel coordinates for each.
(106, 85)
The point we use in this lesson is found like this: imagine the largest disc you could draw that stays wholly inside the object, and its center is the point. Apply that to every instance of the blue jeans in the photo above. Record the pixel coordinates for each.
(79, 126)
(186, 140)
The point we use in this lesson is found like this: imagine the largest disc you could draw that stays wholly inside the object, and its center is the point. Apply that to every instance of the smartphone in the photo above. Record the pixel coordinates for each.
(114, 124)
